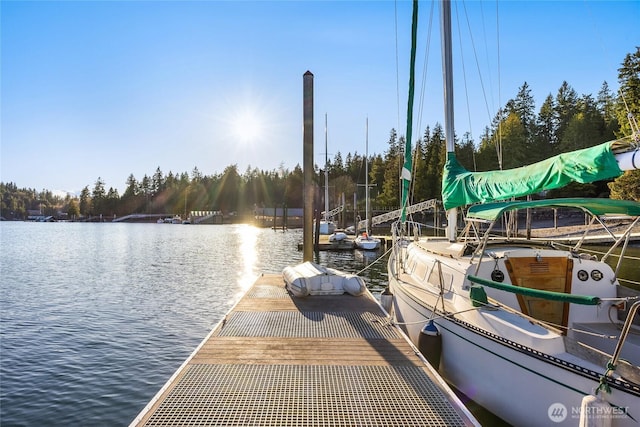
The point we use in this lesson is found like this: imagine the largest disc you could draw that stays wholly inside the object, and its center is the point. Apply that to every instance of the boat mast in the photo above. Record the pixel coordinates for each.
(326, 172)
(366, 176)
(447, 72)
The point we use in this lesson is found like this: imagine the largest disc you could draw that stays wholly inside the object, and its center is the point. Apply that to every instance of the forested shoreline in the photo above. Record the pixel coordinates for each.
(517, 136)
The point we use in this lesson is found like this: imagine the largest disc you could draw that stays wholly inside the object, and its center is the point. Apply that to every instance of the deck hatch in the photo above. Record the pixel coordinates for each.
(309, 395)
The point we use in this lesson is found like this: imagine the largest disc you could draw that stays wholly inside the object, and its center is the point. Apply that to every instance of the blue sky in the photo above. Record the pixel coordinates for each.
(111, 88)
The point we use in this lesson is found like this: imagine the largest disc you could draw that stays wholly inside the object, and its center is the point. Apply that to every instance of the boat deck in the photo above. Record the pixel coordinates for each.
(278, 360)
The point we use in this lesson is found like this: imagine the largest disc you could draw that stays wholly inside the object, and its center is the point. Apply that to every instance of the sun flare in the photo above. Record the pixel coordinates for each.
(247, 126)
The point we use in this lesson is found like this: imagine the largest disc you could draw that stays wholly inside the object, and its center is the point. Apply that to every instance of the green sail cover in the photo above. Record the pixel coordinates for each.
(461, 187)
(595, 206)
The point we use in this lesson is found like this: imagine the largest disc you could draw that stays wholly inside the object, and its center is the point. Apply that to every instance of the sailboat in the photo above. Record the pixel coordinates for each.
(536, 333)
(327, 226)
(364, 240)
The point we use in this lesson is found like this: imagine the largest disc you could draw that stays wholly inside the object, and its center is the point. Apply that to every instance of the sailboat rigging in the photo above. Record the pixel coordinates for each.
(523, 324)
(327, 226)
(365, 240)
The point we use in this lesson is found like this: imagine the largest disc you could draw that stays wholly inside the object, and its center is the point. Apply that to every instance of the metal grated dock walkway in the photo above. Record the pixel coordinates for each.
(278, 360)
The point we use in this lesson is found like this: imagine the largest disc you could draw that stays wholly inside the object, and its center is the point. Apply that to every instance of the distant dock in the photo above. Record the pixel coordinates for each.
(278, 360)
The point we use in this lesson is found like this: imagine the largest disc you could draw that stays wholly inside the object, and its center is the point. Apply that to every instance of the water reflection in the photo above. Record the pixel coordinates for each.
(247, 236)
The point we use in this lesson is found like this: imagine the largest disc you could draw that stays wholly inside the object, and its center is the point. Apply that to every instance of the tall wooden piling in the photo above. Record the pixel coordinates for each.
(307, 239)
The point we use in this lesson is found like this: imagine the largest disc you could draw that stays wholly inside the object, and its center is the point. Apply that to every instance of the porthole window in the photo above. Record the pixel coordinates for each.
(596, 275)
(583, 275)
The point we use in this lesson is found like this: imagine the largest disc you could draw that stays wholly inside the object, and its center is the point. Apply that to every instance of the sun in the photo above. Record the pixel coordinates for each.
(247, 126)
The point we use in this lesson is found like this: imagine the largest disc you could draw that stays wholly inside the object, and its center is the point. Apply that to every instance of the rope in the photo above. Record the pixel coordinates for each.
(603, 385)
(375, 261)
(424, 69)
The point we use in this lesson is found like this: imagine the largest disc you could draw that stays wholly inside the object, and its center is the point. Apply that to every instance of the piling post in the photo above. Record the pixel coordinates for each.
(275, 218)
(284, 216)
(307, 233)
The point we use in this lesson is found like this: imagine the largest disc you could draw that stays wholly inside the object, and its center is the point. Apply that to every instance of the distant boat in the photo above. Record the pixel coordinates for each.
(327, 227)
(533, 332)
(170, 220)
(337, 236)
(366, 242)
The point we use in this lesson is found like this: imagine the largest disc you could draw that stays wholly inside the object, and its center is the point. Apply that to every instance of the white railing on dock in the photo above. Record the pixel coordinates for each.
(422, 206)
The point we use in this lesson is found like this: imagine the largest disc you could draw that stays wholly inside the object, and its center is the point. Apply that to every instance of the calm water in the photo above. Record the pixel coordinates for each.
(95, 318)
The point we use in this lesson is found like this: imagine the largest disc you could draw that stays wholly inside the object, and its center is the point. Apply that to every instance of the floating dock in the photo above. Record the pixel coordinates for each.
(348, 244)
(278, 360)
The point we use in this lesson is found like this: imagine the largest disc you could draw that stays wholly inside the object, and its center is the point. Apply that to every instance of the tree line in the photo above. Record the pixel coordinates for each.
(518, 135)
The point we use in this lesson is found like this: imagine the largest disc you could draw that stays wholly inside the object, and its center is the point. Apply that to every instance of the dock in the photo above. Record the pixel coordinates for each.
(348, 244)
(279, 360)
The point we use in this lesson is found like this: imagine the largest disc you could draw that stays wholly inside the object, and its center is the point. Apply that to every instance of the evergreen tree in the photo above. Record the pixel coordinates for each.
(627, 186)
(486, 157)
(566, 106)
(145, 187)
(629, 96)
(606, 105)
(98, 197)
(524, 107)
(419, 175)
(293, 188)
(229, 189)
(391, 182)
(585, 129)
(129, 202)
(465, 153)
(376, 172)
(337, 166)
(85, 202)
(196, 175)
(73, 210)
(514, 142)
(112, 202)
(157, 183)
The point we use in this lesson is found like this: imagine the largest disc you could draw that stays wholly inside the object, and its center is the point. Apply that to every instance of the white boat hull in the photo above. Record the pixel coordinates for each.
(327, 227)
(367, 244)
(523, 386)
